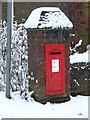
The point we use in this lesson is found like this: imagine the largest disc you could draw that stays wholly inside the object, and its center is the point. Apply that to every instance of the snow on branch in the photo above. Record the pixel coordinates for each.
(19, 57)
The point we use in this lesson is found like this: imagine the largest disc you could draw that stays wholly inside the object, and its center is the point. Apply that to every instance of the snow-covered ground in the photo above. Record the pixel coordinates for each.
(16, 107)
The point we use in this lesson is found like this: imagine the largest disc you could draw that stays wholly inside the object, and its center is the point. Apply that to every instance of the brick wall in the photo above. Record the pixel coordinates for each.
(37, 64)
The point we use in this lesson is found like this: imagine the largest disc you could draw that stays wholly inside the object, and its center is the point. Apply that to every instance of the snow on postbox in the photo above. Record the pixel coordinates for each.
(48, 54)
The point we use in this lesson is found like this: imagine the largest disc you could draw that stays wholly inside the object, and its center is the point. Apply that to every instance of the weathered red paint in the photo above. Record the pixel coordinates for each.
(55, 69)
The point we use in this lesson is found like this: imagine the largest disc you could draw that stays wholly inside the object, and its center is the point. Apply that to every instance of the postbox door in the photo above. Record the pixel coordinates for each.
(55, 69)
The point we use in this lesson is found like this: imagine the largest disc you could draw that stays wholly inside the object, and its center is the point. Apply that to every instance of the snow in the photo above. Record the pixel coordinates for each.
(16, 107)
(80, 57)
(79, 43)
(48, 17)
(19, 57)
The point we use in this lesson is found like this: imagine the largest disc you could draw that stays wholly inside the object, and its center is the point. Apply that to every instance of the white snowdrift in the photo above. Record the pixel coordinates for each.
(16, 107)
(84, 57)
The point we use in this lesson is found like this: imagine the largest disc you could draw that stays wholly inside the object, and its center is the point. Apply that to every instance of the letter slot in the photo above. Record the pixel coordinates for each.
(55, 53)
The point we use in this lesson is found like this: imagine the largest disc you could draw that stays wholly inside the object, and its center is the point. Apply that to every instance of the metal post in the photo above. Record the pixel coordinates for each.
(0, 14)
(9, 38)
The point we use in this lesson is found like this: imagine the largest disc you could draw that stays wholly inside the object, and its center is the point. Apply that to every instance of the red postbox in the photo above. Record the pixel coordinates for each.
(55, 69)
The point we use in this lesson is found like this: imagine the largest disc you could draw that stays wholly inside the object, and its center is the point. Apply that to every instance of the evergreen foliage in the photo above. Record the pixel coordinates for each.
(19, 58)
